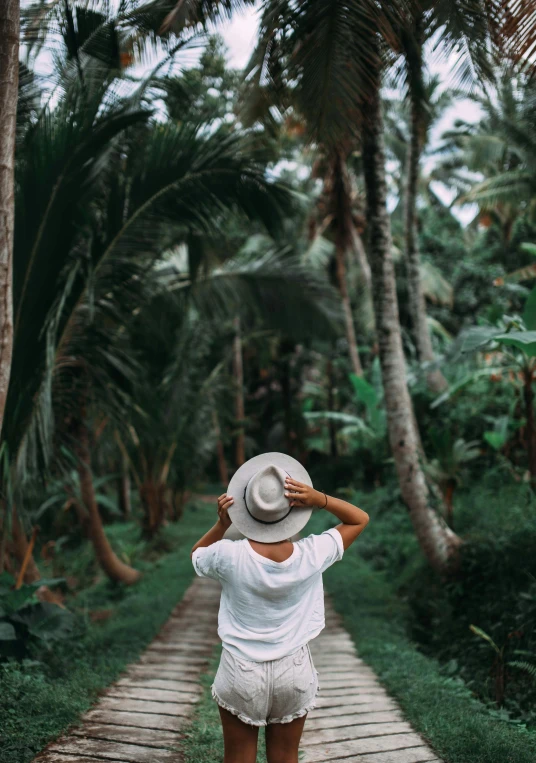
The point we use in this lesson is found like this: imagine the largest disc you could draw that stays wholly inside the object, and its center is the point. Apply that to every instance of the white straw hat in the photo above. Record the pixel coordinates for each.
(260, 510)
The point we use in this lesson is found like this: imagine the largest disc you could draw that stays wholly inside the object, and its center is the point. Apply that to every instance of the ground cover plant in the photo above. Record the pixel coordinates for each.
(46, 692)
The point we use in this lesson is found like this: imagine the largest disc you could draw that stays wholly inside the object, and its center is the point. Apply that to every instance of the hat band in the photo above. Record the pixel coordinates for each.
(264, 521)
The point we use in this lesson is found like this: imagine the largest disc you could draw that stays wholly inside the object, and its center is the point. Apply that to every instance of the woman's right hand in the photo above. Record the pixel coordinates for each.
(300, 494)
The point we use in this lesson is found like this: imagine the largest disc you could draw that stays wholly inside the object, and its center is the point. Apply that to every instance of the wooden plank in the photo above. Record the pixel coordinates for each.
(143, 672)
(350, 691)
(347, 733)
(411, 755)
(348, 700)
(348, 661)
(158, 738)
(153, 695)
(138, 720)
(164, 661)
(333, 682)
(58, 757)
(179, 650)
(351, 719)
(142, 706)
(182, 639)
(131, 753)
(159, 683)
(325, 710)
(332, 750)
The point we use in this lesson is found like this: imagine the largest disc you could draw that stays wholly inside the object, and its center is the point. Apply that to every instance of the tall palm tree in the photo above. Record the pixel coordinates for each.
(332, 52)
(9, 66)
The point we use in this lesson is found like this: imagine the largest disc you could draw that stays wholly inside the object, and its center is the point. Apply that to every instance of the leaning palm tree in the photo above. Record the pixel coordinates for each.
(407, 137)
(100, 186)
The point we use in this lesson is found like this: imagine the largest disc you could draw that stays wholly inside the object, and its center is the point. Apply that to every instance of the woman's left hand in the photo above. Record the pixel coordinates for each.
(224, 503)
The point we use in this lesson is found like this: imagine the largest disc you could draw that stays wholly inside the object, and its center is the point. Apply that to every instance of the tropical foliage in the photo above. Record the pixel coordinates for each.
(317, 255)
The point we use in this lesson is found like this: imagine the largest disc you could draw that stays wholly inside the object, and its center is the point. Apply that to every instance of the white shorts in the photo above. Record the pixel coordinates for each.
(275, 691)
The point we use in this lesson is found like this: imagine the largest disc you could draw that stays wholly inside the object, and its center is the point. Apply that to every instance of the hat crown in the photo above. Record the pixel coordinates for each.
(265, 494)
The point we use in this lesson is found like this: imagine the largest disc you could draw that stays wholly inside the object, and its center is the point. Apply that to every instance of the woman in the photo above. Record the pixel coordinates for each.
(272, 601)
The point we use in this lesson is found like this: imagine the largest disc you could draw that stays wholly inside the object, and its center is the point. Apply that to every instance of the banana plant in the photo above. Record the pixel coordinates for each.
(515, 349)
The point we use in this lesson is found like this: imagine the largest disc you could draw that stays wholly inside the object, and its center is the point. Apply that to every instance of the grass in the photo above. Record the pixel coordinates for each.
(42, 697)
(441, 707)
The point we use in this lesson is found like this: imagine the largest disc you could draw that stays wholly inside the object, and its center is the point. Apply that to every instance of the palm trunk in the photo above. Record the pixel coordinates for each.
(435, 379)
(355, 362)
(437, 541)
(114, 568)
(362, 260)
(222, 463)
(154, 499)
(124, 488)
(343, 240)
(9, 82)
(333, 450)
(238, 370)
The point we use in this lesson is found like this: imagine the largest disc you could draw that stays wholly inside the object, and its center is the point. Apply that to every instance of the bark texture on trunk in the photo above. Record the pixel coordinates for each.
(9, 86)
(344, 238)
(362, 260)
(125, 503)
(437, 541)
(154, 499)
(220, 450)
(114, 568)
(238, 371)
(435, 379)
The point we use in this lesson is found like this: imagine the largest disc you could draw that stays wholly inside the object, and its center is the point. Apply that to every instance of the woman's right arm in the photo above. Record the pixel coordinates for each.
(353, 519)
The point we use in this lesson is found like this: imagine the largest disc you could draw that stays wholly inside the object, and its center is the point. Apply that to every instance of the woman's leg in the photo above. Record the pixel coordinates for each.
(283, 740)
(239, 738)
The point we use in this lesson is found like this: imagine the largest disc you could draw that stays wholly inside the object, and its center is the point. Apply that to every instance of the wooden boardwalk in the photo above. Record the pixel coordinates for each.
(140, 718)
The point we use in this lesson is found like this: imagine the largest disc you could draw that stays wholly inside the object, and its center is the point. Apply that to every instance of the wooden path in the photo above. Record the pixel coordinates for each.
(140, 718)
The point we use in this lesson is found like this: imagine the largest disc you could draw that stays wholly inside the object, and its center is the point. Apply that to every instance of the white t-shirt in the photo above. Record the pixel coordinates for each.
(269, 609)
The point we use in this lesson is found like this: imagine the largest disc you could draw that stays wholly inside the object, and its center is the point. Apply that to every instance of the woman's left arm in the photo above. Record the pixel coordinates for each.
(217, 531)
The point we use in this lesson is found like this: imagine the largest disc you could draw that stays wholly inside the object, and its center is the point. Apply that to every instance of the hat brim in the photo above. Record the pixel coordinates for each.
(238, 513)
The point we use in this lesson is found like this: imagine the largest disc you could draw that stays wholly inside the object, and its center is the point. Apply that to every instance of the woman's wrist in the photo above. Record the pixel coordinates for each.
(321, 499)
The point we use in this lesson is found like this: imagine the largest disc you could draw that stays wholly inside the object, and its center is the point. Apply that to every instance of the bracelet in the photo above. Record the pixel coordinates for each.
(324, 506)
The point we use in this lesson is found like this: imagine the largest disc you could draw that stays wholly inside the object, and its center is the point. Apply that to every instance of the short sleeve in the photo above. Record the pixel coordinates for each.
(206, 561)
(327, 548)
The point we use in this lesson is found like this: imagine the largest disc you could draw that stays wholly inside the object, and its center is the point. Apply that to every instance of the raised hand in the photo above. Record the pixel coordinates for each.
(224, 502)
(300, 494)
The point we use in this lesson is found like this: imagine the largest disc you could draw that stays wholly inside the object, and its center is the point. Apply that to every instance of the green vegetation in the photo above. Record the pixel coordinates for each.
(316, 255)
(456, 715)
(47, 691)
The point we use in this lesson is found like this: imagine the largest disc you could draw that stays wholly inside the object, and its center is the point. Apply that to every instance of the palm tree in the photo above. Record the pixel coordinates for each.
(332, 51)
(502, 148)
(101, 193)
(9, 66)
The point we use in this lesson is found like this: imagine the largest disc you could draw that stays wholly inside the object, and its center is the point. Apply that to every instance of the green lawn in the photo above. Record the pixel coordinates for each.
(41, 698)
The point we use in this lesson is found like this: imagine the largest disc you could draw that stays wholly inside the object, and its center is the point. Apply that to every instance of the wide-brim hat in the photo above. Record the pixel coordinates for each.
(260, 510)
